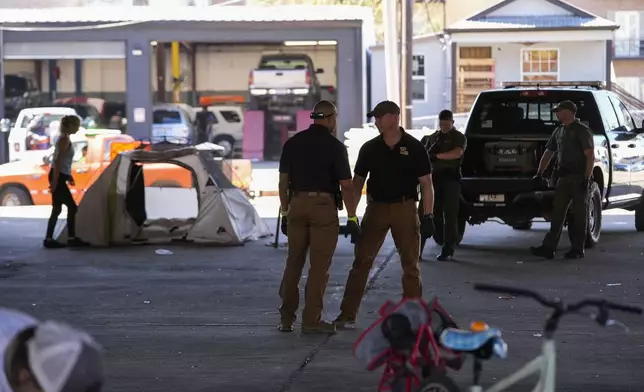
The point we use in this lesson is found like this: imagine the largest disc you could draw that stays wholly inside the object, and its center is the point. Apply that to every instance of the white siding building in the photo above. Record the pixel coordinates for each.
(429, 69)
(514, 40)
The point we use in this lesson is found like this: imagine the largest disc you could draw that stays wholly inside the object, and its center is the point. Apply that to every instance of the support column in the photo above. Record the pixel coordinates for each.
(161, 68)
(1, 74)
(454, 70)
(350, 81)
(53, 80)
(78, 77)
(138, 96)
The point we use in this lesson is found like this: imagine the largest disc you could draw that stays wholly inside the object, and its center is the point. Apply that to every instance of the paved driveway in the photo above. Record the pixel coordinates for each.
(203, 319)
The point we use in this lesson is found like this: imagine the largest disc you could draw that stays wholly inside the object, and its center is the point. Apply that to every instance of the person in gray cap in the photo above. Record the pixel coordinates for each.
(46, 356)
(573, 143)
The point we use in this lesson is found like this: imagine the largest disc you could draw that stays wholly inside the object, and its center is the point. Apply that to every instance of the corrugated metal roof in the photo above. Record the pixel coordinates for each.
(185, 14)
(531, 22)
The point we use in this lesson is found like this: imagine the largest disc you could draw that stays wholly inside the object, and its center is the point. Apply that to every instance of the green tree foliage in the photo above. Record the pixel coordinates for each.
(428, 16)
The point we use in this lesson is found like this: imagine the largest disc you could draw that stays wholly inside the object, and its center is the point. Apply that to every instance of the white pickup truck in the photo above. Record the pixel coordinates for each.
(284, 79)
(18, 148)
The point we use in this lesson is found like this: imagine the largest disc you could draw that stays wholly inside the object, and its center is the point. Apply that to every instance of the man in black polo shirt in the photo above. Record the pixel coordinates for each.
(312, 164)
(395, 162)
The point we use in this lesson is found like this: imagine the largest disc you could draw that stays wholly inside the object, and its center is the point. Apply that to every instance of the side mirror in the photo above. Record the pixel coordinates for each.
(319, 71)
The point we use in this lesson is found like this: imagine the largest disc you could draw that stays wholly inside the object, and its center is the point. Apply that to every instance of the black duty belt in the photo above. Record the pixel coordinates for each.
(391, 200)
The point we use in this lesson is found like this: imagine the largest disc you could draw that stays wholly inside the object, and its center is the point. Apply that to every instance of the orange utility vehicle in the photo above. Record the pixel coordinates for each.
(26, 182)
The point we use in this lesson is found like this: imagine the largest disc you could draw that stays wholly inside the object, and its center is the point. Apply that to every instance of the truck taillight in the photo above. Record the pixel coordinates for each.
(308, 77)
(250, 78)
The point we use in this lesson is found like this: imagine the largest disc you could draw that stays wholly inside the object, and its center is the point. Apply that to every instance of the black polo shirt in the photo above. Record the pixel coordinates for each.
(393, 172)
(315, 161)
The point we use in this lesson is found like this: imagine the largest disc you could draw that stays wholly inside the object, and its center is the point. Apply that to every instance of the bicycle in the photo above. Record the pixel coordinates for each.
(483, 342)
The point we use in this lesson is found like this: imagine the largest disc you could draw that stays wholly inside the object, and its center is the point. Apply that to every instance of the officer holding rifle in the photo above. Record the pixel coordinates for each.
(445, 148)
(315, 178)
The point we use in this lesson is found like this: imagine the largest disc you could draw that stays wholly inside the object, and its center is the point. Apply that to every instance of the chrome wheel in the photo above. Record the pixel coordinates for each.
(591, 215)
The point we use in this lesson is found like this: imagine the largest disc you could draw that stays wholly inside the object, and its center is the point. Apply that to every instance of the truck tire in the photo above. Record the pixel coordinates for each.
(639, 215)
(594, 224)
(527, 225)
(13, 196)
(227, 142)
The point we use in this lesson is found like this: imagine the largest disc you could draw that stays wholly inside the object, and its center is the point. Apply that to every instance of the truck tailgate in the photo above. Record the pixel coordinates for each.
(276, 79)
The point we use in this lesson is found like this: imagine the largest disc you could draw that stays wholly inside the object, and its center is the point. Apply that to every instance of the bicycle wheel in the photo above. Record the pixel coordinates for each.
(438, 383)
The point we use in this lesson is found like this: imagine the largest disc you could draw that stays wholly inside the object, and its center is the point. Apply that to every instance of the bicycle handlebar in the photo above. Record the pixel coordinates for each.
(556, 303)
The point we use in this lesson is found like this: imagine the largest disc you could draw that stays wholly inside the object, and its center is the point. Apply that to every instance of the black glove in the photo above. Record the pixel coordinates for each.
(353, 228)
(284, 225)
(427, 227)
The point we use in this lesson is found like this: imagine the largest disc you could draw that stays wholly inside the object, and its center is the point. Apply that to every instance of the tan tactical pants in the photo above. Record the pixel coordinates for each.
(402, 219)
(312, 224)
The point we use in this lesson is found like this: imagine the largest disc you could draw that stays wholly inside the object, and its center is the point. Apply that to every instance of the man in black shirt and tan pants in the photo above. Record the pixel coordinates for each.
(312, 164)
(396, 163)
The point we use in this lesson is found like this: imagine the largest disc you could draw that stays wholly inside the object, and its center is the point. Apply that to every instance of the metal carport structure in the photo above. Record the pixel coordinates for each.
(107, 32)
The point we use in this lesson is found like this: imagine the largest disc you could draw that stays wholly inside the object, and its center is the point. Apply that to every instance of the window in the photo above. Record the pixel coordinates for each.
(283, 63)
(230, 116)
(540, 64)
(623, 115)
(608, 112)
(627, 37)
(15, 85)
(46, 119)
(165, 117)
(419, 81)
(526, 112)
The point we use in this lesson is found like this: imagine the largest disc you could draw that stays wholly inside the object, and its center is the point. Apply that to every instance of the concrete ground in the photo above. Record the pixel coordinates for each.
(203, 318)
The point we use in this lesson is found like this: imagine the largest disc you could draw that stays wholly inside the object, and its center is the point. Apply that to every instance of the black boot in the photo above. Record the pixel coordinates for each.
(574, 254)
(542, 251)
(446, 255)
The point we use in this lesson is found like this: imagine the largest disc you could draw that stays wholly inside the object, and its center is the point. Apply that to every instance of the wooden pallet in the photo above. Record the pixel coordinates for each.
(474, 73)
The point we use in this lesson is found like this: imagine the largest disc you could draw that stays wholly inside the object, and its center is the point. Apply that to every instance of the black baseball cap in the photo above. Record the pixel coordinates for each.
(565, 105)
(384, 107)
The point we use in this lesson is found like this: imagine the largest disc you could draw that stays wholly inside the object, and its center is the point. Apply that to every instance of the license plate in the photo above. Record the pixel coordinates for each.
(492, 198)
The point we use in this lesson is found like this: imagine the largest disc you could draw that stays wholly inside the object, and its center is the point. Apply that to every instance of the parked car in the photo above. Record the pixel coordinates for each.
(21, 92)
(172, 123)
(227, 129)
(507, 132)
(284, 79)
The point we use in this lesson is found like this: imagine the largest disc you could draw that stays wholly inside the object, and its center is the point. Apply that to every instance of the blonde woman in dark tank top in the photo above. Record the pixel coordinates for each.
(59, 176)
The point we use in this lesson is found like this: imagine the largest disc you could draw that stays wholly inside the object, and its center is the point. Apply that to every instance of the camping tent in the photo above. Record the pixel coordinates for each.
(113, 210)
